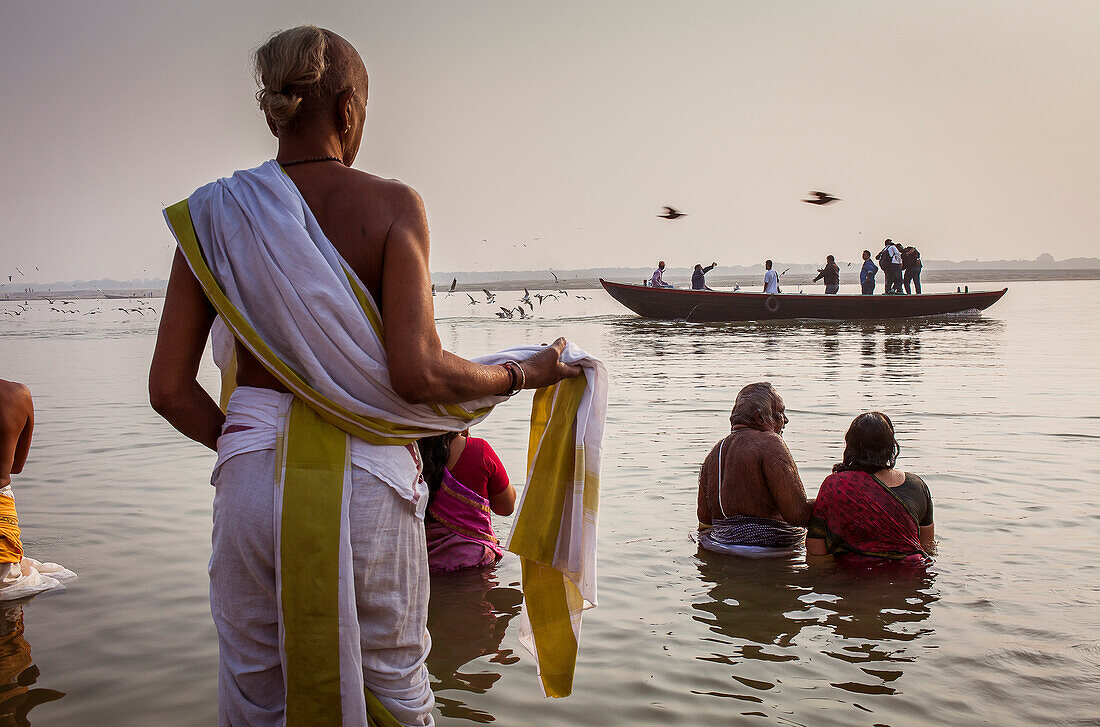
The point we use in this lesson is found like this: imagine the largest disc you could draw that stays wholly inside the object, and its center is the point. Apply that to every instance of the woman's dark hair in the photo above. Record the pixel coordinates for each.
(434, 453)
(869, 445)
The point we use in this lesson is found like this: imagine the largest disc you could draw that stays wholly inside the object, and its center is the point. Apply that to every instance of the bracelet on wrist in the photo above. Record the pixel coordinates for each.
(515, 374)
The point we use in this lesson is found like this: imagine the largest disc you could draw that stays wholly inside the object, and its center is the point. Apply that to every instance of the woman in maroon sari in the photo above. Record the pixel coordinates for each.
(867, 509)
(466, 483)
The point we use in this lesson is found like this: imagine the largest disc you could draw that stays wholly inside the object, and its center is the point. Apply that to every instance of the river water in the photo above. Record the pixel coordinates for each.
(1000, 414)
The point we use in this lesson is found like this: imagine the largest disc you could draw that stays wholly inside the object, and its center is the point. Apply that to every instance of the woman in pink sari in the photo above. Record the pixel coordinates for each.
(867, 509)
(466, 484)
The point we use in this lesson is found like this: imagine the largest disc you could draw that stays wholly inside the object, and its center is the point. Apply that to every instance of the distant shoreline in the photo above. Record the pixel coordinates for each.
(961, 277)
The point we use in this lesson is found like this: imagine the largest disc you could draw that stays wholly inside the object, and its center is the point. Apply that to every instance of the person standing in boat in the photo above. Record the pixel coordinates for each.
(830, 274)
(658, 279)
(698, 277)
(771, 279)
(867, 274)
(911, 266)
(890, 260)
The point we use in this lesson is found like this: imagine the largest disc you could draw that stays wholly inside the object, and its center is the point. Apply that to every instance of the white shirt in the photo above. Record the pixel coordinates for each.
(771, 282)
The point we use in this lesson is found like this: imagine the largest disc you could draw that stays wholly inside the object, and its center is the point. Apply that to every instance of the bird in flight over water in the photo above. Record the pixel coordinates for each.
(671, 213)
(821, 198)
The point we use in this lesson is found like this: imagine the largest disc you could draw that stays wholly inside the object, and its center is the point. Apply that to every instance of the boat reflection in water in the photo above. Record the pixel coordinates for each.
(866, 620)
(18, 673)
(468, 615)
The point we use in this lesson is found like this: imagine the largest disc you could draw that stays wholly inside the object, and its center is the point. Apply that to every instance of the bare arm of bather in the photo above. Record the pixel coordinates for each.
(420, 370)
(927, 535)
(781, 475)
(16, 427)
(816, 547)
(174, 390)
(706, 472)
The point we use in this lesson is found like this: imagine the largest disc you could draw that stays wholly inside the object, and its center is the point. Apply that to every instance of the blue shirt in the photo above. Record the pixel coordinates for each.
(867, 274)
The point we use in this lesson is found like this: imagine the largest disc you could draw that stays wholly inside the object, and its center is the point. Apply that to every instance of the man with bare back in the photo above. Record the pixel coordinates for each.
(751, 499)
(311, 280)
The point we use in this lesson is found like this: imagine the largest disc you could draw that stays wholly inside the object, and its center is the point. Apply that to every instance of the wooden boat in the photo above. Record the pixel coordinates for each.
(716, 305)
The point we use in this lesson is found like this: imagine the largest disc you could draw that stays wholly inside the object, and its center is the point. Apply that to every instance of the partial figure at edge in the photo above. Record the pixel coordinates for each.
(20, 576)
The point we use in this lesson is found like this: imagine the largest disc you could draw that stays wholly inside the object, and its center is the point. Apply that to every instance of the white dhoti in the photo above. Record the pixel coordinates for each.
(391, 595)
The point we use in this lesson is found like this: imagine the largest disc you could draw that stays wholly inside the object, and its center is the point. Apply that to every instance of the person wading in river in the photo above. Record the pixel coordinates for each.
(750, 493)
(319, 575)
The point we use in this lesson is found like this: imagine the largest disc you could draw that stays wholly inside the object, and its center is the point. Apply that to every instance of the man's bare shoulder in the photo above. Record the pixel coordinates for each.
(764, 443)
(393, 191)
(15, 400)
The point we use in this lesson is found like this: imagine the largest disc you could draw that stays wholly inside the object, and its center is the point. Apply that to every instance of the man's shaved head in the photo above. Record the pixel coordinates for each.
(301, 73)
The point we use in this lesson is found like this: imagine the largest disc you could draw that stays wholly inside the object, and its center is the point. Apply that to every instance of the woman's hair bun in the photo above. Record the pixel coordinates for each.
(288, 67)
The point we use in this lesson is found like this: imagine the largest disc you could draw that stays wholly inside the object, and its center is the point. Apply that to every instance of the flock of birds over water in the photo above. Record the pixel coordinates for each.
(65, 307)
(68, 309)
(518, 312)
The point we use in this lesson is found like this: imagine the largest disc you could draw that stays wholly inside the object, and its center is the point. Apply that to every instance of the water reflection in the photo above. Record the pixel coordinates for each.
(18, 672)
(468, 615)
(866, 618)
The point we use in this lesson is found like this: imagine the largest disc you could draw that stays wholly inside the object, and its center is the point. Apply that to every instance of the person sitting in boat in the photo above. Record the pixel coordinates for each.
(466, 480)
(698, 277)
(751, 499)
(867, 274)
(867, 509)
(771, 279)
(830, 274)
(658, 279)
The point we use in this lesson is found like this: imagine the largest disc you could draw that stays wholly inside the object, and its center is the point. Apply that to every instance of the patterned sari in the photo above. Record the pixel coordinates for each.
(461, 532)
(859, 517)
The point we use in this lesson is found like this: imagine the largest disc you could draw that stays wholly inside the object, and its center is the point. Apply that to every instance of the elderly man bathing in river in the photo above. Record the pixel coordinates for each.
(319, 573)
(751, 499)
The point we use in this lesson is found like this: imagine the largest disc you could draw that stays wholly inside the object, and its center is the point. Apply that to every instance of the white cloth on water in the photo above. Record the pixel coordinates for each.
(31, 577)
(390, 577)
(253, 419)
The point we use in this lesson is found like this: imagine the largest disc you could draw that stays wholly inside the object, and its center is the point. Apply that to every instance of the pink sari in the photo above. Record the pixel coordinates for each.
(460, 533)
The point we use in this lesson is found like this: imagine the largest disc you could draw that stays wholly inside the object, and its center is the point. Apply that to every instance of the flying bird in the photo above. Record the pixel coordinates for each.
(522, 313)
(671, 213)
(582, 297)
(504, 312)
(489, 297)
(454, 284)
(821, 198)
(526, 296)
(555, 277)
(472, 300)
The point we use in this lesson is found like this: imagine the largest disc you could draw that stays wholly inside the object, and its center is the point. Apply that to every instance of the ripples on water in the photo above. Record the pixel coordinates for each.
(999, 414)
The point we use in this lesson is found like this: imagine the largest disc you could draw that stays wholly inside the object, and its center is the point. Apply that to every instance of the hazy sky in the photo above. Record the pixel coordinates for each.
(968, 128)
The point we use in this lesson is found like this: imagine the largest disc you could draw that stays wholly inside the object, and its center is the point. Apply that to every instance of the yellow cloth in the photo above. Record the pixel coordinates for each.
(11, 547)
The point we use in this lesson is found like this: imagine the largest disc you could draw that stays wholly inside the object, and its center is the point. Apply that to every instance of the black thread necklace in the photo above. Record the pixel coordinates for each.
(310, 161)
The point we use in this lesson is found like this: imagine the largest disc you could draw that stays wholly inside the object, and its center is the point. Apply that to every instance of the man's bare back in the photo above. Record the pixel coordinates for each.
(356, 211)
(16, 427)
(759, 479)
